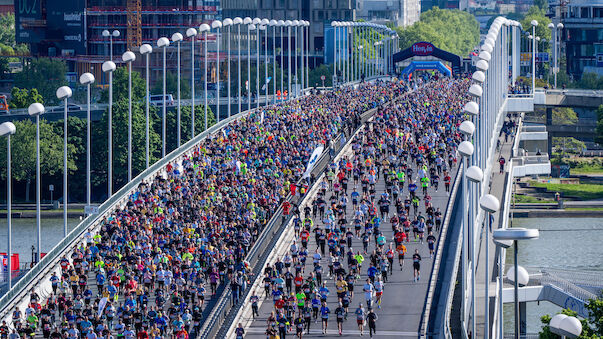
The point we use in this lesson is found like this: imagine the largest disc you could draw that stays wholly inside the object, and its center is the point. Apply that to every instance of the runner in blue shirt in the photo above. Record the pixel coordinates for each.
(324, 315)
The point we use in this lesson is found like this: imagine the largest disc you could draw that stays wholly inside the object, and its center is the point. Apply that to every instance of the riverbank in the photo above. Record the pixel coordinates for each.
(557, 213)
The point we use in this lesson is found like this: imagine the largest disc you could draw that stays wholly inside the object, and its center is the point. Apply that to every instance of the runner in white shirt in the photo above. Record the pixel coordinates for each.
(368, 293)
(378, 291)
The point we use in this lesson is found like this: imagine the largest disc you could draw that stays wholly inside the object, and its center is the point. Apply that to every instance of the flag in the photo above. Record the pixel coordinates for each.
(313, 159)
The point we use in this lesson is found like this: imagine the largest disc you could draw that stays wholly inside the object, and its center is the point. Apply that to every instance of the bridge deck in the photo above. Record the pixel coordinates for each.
(403, 299)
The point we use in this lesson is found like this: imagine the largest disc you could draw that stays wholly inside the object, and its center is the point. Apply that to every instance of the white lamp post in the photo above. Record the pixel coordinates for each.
(307, 23)
(192, 33)
(557, 50)
(163, 43)
(334, 24)
(227, 23)
(217, 24)
(295, 60)
(109, 67)
(264, 28)
(177, 38)
(288, 24)
(128, 57)
(489, 204)
(86, 79)
(146, 50)
(281, 24)
(7, 129)
(534, 23)
(248, 21)
(37, 109)
(565, 326)
(502, 244)
(514, 234)
(111, 35)
(238, 21)
(64, 93)
(258, 26)
(273, 23)
(204, 28)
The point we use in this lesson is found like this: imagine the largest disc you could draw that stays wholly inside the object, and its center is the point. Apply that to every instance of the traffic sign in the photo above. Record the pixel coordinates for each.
(322, 77)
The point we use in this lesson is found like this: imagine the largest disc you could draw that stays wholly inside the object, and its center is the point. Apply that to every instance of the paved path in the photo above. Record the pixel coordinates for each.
(402, 307)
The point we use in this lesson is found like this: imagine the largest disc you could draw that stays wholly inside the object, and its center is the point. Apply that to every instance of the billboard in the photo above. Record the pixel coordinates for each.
(526, 58)
(61, 26)
(422, 48)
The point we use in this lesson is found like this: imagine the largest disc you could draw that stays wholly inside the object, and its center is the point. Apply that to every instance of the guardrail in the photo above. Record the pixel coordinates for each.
(50, 261)
(426, 327)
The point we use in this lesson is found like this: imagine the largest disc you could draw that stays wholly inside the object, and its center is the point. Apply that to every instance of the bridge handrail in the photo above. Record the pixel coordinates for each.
(51, 259)
(519, 129)
(566, 286)
(424, 326)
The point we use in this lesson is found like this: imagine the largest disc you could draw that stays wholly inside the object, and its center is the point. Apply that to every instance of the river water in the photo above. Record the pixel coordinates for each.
(25, 235)
(564, 243)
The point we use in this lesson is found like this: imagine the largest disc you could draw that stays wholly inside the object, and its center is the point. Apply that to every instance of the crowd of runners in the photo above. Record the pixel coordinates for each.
(154, 264)
(370, 215)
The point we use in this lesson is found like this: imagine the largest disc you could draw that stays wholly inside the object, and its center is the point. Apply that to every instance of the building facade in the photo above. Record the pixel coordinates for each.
(582, 35)
(72, 30)
(399, 12)
(317, 12)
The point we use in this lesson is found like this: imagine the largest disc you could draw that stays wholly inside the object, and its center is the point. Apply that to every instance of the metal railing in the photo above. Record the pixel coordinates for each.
(567, 286)
(433, 277)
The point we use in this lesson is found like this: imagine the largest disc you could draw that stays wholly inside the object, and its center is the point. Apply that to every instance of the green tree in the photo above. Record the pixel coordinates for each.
(171, 86)
(599, 129)
(185, 124)
(590, 81)
(542, 31)
(564, 116)
(7, 29)
(120, 143)
(317, 72)
(23, 148)
(120, 87)
(592, 328)
(451, 30)
(46, 75)
(22, 98)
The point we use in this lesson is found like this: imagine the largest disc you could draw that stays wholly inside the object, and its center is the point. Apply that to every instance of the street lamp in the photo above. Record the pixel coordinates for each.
(281, 24)
(204, 28)
(489, 204)
(565, 326)
(111, 35)
(258, 26)
(295, 25)
(288, 24)
(238, 21)
(7, 129)
(86, 79)
(534, 23)
(264, 28)
(250, 26)
(163, 43)
(217, 24)
(146, 50)
(177, 38)
(273, 23)
(128, 57)
(558, 51)
(227, 23)
(502, 244)
(514, 234)
(64, 93)
(334, 24)
(192, 33)
(109, 67)
(37, 109)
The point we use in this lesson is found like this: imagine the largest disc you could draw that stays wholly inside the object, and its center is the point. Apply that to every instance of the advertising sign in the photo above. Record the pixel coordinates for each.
(422, 48)
(28, 21)
(66, 26)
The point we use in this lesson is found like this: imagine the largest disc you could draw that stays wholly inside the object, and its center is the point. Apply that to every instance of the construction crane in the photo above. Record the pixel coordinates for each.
(134, 11)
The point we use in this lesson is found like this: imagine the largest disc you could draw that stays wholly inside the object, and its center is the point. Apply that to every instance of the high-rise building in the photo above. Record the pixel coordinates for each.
(582, 34)
(399, 12)
(317, 12)
(6, 6)
(72, 29)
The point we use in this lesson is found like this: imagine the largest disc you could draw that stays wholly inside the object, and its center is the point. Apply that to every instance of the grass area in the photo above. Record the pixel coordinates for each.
(581, 191)
(584, 209)
(528, 199)
(586, 170)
